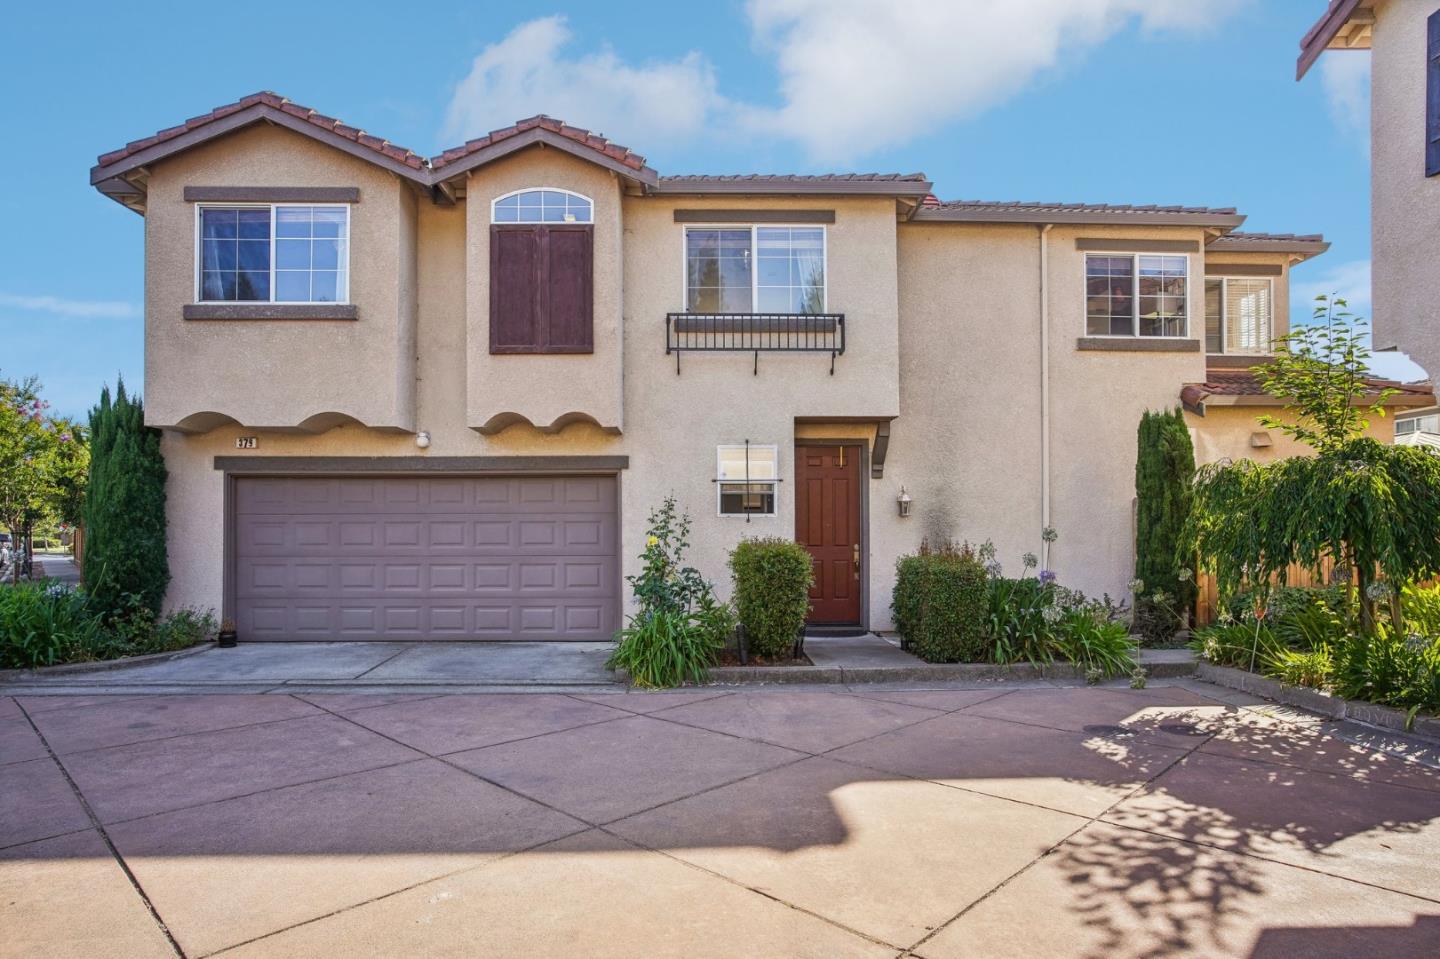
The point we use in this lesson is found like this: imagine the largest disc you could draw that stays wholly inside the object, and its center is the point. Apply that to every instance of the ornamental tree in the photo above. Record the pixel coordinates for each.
(125, 554)
(1369, 507)
(1164, 470)
(42, 460)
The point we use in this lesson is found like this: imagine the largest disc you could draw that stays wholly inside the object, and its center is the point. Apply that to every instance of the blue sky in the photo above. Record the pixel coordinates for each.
(1138, 101)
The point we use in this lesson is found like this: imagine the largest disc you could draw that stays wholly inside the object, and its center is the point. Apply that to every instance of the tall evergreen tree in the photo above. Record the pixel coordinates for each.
(1164, 470)
(125, 552)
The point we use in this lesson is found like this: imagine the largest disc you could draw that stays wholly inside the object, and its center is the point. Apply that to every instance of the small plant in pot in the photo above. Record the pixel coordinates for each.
(226, 637)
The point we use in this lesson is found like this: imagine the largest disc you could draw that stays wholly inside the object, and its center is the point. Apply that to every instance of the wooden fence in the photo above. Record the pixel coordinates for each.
(1207, 592)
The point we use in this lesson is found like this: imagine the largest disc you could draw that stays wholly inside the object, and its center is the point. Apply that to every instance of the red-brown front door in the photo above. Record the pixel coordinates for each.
(827, 523)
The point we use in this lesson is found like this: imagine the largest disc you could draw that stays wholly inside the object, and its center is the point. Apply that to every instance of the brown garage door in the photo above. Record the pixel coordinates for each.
(370, 558)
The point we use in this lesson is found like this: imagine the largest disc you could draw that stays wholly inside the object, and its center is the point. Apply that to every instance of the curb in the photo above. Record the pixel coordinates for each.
(104, 665)
(1386, 717)
(924, 672)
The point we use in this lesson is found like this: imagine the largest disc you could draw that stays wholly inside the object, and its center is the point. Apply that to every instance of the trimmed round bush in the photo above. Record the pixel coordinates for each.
(940, 604)
(772, 579)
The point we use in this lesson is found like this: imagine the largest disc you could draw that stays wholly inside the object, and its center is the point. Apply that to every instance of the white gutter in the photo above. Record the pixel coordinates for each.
(1045, 391)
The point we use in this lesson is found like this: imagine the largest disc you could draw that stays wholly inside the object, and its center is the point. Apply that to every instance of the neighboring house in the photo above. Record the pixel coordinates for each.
(1403, 37)
(437, 398)
(1422, 428)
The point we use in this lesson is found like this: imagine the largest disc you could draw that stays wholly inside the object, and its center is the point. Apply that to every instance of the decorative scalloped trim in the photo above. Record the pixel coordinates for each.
(503, 421)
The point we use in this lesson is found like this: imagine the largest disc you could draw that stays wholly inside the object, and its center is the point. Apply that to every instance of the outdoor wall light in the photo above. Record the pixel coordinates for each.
(422, 439)
(904, 501)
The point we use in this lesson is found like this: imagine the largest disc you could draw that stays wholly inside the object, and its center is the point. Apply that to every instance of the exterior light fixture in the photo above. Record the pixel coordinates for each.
(904, 501)
(422, 439)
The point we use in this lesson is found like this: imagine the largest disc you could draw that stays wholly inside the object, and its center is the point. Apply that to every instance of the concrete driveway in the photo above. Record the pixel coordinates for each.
(1026, 822)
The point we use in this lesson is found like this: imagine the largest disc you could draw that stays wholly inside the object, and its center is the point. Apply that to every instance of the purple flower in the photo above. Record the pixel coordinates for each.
(1047, 576)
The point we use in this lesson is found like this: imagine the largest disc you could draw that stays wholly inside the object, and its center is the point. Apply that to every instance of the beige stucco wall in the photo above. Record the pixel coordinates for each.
(1225, 432)
(545, 390)
(280, 373)
(943, 338)
(1405, 204)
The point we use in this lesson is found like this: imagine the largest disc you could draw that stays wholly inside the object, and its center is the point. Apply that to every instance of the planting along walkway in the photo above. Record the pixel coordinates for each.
(1029, 820)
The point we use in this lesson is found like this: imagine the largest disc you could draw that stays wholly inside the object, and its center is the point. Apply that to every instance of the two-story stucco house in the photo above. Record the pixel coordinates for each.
(1403, 40)
(410, 398)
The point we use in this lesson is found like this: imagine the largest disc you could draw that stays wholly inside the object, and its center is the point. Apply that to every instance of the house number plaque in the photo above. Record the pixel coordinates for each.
(247, 442)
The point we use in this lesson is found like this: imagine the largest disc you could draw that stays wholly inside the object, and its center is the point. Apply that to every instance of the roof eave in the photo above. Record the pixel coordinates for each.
(1225, 221)
(779, 187)
(1305, 248)
(1317, 40)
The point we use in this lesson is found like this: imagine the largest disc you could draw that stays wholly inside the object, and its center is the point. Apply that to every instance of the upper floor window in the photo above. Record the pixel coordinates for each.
(542, 264)
(273, 254)
(1238, 315)
(1135, 294)
(542, 206)
(1418, 424)
(755, 269)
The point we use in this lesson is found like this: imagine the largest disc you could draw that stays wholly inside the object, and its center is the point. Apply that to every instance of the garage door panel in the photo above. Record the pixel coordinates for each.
(426, 557)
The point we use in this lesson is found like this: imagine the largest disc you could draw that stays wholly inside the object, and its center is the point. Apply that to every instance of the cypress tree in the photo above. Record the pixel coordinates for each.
(1164, 469)
(125, 555)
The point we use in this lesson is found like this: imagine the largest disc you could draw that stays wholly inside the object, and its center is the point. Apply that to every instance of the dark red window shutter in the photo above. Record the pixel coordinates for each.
(1432, 95)
(515, 255)
(541, 289)
(570, 268)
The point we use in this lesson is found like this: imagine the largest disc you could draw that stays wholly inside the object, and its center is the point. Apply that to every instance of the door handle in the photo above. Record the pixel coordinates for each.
(855, 553)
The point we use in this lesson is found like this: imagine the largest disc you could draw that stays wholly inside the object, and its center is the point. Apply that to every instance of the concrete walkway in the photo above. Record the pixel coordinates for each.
(1180, 820)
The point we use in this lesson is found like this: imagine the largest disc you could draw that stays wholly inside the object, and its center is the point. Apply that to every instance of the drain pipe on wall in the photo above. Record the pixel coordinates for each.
(1045, 391)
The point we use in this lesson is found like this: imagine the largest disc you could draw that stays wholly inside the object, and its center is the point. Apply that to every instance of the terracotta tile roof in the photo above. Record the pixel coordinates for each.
(1275, 237)
(622, 155)
(275, 101)
(1241, 383)
(797, 178)
(1003, 211)
(1037, 207)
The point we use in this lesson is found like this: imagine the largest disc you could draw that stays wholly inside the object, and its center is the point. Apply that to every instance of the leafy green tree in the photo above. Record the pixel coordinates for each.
(1164, 469)
(42, 462)
(1372, 508)
(125, 556)
(1320, 370)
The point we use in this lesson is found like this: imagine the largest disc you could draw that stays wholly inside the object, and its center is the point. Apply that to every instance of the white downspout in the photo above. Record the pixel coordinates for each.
(1045, 391)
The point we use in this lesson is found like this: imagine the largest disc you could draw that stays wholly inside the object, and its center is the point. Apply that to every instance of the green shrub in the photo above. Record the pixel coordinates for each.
(1164, 468)
(1094, 642)
(1237, 644)
(125, 553)
(45, 623)
(940, 605)
(679, 626)
(1390, 668)
(1315, 668)
(772, 579)
(668, 647)
(1019, 621)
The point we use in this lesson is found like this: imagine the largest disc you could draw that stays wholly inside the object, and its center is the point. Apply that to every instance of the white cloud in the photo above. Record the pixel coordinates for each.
(853, 74)
(1345, 78)
(528, 73)
(84, 309)
(1350, 281)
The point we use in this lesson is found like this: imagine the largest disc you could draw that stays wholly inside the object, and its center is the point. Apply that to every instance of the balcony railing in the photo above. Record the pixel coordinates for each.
(755, 333)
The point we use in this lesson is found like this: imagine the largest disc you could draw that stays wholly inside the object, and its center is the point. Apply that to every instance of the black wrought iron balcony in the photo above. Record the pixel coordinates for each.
(755, 333)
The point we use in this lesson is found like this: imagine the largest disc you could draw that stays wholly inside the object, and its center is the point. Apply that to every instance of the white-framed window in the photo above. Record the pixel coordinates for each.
(1136, 294)
(542, 205)
(272, 253)
(745, 479)
(1239, 314)
(755, 269)
(1418, 424)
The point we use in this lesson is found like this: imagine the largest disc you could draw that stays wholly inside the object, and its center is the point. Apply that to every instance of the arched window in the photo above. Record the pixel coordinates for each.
(544, 205)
